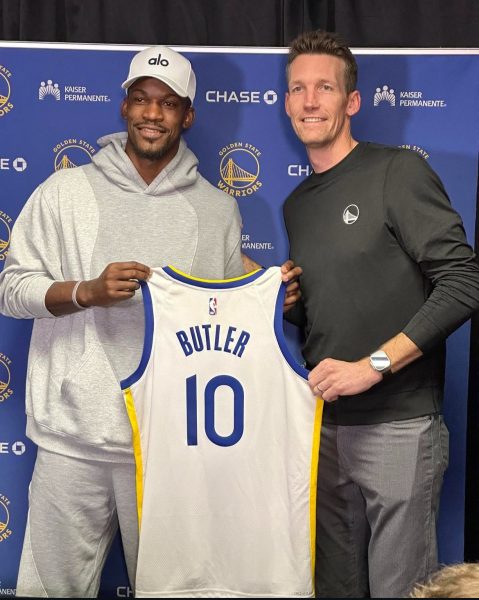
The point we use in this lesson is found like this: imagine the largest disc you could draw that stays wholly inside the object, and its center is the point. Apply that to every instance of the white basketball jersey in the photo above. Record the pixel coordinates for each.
(226, 441)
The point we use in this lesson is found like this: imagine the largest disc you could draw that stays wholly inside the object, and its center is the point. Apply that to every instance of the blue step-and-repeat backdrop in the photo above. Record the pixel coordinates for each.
(56, 100)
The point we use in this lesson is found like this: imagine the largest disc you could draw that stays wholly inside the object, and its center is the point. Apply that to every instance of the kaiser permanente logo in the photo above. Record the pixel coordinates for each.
(386, 95)
(239, 169)
(72, 153)
(50, 90)
(5, 377)
(5, 531)
(6, 225)
(247, 243)
(242, 96)
(5, 91)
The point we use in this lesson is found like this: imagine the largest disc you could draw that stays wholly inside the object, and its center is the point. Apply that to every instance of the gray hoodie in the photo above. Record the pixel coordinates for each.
(72, 226)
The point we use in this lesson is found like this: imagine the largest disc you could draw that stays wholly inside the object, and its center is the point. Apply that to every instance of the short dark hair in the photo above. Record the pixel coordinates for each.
(324, 42)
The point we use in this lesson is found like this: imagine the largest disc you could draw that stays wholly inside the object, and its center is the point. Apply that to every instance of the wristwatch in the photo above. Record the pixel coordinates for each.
(380, 362)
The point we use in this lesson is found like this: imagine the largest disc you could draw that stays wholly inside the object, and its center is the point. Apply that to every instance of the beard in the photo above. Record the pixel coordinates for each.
(150, 151)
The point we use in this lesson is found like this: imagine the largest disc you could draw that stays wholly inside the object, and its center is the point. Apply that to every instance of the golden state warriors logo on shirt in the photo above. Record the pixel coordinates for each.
(5, 91)
(5, 531)
(5, 233)
(239, 169)
(5, 378)
(72, 153)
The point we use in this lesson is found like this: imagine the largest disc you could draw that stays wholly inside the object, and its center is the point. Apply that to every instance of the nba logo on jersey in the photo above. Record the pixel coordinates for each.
(212, 306)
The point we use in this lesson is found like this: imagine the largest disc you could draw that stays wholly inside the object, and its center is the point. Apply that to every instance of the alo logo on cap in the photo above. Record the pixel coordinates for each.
(159, 61)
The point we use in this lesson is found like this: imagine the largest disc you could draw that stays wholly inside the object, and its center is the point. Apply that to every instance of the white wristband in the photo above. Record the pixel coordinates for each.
(74, 296)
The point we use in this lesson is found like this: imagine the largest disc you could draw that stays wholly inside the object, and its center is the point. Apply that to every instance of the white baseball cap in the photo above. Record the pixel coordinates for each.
(166, 65)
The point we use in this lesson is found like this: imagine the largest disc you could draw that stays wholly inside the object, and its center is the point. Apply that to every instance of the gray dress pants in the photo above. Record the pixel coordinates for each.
(377, 505)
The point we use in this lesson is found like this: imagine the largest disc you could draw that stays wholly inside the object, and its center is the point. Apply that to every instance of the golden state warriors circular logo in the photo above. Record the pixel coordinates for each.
(5, 233)
(5, 377)
(239, 169)
(417, 149)
(72, 153)
(5, 532)
(5, 91)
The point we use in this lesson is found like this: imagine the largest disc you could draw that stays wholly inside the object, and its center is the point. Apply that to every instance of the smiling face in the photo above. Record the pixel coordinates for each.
(156, 117)
(317, 102)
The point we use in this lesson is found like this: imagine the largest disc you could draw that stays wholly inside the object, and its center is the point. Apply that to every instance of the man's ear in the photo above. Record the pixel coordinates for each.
(354, 103)
(189, 117)
(123, 108)
(286, 103)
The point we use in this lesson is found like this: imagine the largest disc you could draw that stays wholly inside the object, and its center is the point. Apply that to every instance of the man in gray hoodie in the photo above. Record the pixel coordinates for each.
(70, 268)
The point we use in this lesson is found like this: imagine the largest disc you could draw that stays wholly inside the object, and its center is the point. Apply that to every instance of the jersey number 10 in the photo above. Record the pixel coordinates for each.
(209, 398)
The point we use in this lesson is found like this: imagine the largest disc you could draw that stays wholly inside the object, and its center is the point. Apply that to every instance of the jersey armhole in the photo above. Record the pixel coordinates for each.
(281, 338)
(148, 339)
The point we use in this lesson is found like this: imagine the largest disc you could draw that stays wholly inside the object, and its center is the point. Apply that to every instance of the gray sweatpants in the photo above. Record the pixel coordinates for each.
(377, 504)
(75, 508)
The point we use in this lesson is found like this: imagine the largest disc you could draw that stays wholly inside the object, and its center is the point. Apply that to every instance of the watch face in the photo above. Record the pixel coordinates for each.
(380, 361)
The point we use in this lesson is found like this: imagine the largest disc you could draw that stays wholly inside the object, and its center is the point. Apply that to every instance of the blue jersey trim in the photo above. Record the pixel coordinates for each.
(148, 341)
(212, 283)
(279, 331)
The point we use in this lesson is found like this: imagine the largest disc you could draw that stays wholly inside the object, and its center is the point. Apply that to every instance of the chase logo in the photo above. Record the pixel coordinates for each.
(5, 91)
(72, 153)
(49, 89)
(18, 448)
(5, 532)
(299, 170)
(239, 169)
(351, 214)
(384, 95)
(212, 306)
(5, 233)
(19, 164)
(270, 97)
(5, 377)
(241, 96)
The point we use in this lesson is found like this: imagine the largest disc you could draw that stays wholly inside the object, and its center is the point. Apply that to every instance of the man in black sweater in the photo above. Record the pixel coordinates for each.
(387, 276)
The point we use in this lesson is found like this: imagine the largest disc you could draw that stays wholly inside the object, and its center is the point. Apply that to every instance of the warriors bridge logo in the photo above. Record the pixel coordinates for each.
(5, 531)
(72, 153)
(239, 169)
(5, 91)
(5, 378)
(5, 232)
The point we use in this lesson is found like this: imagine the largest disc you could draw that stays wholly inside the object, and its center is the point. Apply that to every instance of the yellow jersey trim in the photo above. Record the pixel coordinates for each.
(314, 480)
(130, 408)
(245, 276)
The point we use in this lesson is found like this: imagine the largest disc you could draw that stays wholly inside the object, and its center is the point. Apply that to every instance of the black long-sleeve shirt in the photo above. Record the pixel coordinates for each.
(382, 251)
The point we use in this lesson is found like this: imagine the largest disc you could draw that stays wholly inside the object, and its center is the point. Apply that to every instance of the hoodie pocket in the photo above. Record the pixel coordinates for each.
(92, 404)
